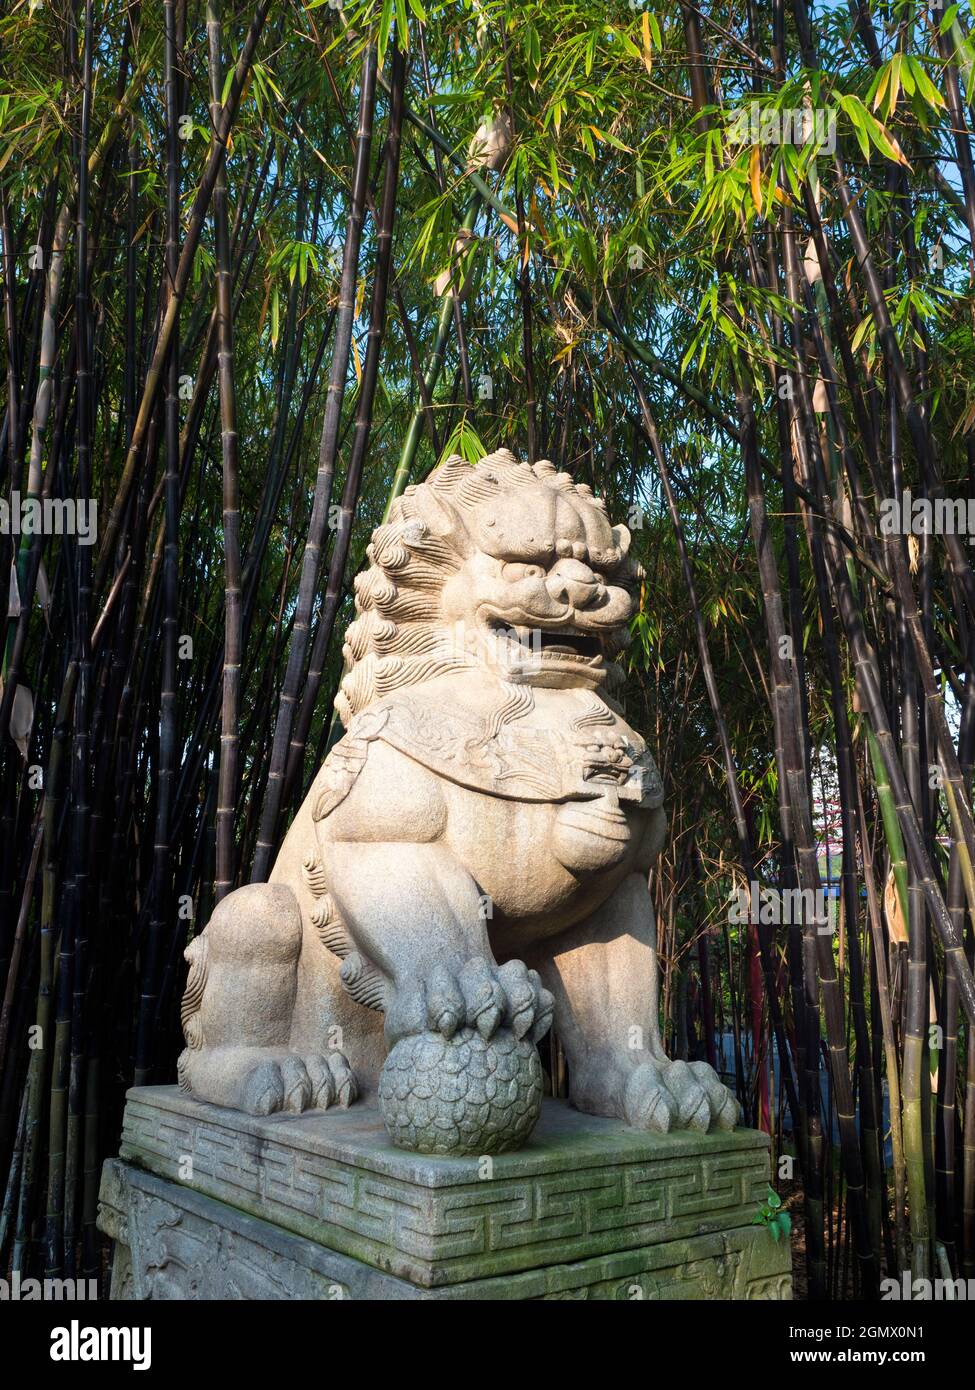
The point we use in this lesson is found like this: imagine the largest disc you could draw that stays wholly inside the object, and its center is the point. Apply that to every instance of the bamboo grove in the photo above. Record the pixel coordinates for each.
(262, 266)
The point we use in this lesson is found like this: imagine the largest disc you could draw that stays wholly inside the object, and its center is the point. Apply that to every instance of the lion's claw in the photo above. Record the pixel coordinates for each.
(288, 1081)
(529, 1005)
(484, 996)
(647, 1103)
(665, 1095)
(693, 1107)
(445, 1003)
(724, 1104)
(263, 1090)
(346, 1088)
(479, 995)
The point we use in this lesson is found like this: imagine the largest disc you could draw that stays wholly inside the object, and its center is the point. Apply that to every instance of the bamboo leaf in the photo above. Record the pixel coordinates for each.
(925, 87)
(905, 66)
(863, 330)
(879, 86)
(385, 23)
(402, 26)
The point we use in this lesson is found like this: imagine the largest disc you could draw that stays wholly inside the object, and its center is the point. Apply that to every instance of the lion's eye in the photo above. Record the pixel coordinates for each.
(514, 570)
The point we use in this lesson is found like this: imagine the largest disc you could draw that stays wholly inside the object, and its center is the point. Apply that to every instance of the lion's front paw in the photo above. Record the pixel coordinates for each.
(289, 1082)
(664, 1095)
(479, 995)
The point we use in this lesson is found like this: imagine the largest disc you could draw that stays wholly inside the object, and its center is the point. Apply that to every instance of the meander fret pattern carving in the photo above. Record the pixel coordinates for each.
(740, 1265)
(619, 1205)
(174, 1244)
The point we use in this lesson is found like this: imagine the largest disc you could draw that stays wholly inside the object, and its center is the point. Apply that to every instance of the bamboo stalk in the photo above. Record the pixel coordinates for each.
(268, 829)
(229, 739)
(431, 375)
(160, 893)
(179, 283)
(363, 424)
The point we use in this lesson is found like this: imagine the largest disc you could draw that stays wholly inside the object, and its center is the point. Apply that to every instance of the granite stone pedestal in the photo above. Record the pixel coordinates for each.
(207, 1203)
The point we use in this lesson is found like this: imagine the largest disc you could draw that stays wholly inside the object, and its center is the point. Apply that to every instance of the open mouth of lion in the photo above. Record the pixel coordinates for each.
(551, 645)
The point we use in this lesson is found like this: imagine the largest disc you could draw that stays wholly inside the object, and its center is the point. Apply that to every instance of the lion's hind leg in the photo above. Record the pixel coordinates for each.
(238, 1006)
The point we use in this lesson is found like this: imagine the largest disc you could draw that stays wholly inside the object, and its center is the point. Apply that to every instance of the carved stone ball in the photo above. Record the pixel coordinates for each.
(462, 1095)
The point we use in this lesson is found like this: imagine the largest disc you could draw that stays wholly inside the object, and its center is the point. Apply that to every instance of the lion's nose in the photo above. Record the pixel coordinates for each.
(570, 581)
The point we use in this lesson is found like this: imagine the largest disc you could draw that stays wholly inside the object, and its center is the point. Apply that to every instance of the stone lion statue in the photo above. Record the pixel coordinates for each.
(472, 858)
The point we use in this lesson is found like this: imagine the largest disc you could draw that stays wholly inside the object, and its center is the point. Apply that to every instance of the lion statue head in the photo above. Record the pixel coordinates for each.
(502, 565)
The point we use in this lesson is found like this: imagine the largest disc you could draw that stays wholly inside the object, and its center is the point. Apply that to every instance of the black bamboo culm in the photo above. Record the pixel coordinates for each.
(463, 355)
(230, 706)
(363, 424)
(328, 451)
(160, 903)
(179, 282)
(70, 961)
